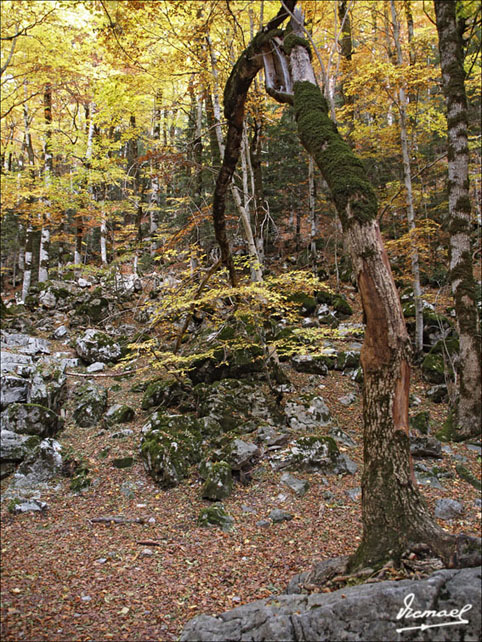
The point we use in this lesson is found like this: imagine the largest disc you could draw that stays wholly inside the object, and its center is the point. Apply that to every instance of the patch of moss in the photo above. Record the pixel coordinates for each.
(292, 40)
(353, 194)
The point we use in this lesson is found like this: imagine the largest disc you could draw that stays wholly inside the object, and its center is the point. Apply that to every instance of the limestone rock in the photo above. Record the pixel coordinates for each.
(15, 447)
(219, 482)
(94, 346)
(307, 413)
(364, 612)
(90, 404)
(448, 509)
(31, 419)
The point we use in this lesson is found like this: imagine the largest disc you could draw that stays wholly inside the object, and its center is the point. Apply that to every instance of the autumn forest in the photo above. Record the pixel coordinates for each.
(239, 239)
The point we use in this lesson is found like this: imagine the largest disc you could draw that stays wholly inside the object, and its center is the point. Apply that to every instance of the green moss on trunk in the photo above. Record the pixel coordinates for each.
(353, 194)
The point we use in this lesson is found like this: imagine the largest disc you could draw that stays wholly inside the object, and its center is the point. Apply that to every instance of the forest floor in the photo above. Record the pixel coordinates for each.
(65, 577)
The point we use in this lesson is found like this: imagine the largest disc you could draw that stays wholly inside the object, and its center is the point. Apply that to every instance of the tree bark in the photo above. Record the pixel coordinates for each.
(407, 176)
(467, 415)
(44, 253)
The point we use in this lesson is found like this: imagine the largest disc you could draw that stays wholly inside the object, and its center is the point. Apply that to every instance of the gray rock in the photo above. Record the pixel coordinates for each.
(364, 612)
(60, 333)
(20, 364)
(47, 299)
(13, 390)
(48, 386)
(97, 366)
(341, 437)
(31, 419)
(347, 400)
(94, 346)
(243, 454)
(118, 414)
(30, 506)
(448, 509)
(44, 464)
(312, 364)
(277, 515)
(90, 404)
(425, 446)
(25, 344)
(216, 516)
(219, 482)
(354, 493)
(298, 486)
(308, 413)
(437, 394)
(15, 447)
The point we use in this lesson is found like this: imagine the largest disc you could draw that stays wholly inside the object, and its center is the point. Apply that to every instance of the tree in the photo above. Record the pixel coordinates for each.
(468, 411)
(394, 514)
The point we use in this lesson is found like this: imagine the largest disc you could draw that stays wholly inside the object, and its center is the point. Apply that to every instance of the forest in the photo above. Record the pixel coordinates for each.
(241, 294)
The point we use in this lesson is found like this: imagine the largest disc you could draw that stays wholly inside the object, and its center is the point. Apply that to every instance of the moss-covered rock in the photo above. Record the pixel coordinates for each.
(94, 346)
(90, 404)
(169, 446)
(219, 482)
(433, 368)
(160, 392)
(216, 516)
(421, 422)
(31, 419)
(314, 453)
(235, 404)
(118, 414)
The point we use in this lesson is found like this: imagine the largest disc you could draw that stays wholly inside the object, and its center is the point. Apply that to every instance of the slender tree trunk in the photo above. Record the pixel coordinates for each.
(468, 411)
(28, 254)
(44, 254)
(230, 155)
(312, 212)
(28, 261)
(407, 176)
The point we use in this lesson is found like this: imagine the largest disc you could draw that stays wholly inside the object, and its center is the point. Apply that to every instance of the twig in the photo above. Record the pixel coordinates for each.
(150, 542)
(114, 374)
(116, 520)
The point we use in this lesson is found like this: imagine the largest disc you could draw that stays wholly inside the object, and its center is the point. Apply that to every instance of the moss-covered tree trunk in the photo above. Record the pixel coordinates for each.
(467, 415)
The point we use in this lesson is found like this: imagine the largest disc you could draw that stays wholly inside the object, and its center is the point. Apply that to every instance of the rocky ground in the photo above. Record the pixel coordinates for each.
(109, 544)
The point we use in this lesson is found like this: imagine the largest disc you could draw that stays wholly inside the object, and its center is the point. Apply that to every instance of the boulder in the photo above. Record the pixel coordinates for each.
(372, 612)
(219, 482)
(242, 454)
(40, 467)
(433, 368)
(298, 486)
(118, 414)
(278, 515)
(314, 453)
(216, 516)
(163, 393)
(448, 509)
(236, 405)
(24, 343)
(90, 404)
(48, 386)
(15, 447)
(170, 444)
(94, 346)
(31, 419)
(425, 446)
(312, 363)
(13, 390)
(307, 413)
(12, 362)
